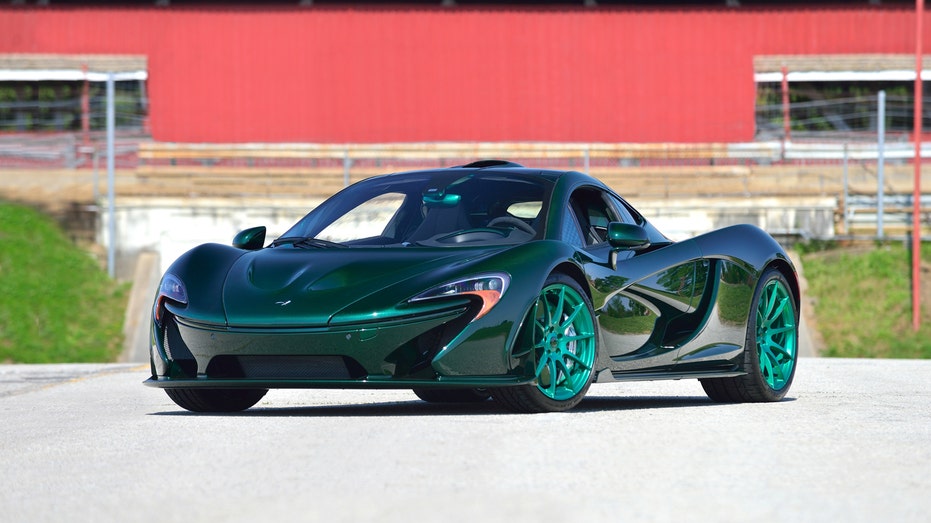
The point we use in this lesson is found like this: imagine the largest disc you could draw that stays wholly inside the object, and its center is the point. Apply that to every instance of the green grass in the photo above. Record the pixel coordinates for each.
(56, 303)
(862, 302)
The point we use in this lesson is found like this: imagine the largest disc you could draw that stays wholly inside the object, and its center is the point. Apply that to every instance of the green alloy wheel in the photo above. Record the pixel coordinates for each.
(772, 347)
(560, 335)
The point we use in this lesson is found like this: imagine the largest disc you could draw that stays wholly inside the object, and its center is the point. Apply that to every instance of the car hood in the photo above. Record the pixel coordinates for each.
(287, 286)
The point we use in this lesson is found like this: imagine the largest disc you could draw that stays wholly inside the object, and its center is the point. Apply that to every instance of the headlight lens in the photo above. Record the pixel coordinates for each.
(171, 288)
(487, 287)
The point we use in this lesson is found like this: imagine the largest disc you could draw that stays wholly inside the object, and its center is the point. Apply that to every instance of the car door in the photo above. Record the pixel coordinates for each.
(637, 295)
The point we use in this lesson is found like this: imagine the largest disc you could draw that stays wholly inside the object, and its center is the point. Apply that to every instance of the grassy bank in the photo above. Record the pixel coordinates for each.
(56, 303)
(862, 301)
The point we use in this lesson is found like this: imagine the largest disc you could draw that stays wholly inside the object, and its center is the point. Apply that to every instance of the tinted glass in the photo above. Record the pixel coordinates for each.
(446, 208)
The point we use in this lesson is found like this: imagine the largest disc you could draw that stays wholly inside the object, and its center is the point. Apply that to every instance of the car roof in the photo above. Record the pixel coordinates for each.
(507, 167)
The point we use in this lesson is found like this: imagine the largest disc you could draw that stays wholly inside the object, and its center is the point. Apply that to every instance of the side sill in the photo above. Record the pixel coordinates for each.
(368, 383)
(647, 376)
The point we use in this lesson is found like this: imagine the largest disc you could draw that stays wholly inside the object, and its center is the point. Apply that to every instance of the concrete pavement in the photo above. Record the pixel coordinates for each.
(90, 443)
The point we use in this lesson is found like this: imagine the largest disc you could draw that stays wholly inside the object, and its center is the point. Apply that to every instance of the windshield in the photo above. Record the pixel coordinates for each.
(446, 208)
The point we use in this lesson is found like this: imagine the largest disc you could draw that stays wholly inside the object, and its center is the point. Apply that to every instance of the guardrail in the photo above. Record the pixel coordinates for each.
(649, 171)
(635, 170)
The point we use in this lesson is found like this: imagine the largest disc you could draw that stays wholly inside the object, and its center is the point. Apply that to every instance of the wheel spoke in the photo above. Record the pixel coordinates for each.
(778, 373)
(559, 307)
(770, 303)
(580, 337)
(552, 387)
(782, 330)
(767, 366)
(767, 353)
(560, 364)
(540, 366)
(574, 357)
(775, 347)
(571, 318)
(778, 312)
(570, 381)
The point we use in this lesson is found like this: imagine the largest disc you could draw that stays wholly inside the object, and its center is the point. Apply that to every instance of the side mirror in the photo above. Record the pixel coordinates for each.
(627, 236)
(250, 239)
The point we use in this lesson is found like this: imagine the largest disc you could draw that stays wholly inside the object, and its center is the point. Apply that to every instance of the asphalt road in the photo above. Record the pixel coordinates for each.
(90, 443)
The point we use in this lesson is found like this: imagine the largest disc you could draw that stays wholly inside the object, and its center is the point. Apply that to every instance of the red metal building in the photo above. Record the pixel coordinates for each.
(364, 73)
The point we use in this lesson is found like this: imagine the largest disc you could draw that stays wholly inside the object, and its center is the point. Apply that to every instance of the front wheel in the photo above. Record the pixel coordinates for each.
(216, 400)
(771, 350)
(559, 335)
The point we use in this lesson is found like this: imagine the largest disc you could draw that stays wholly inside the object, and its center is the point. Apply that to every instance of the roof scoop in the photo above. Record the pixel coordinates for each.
(491, 163)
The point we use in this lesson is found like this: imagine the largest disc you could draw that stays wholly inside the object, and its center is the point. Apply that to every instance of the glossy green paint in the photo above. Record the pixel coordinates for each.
(287, 286)
(627, 236)
(718, 332)
(639, 298)
(776, 334)
(377, 347)
(662, 309)
(250, 239)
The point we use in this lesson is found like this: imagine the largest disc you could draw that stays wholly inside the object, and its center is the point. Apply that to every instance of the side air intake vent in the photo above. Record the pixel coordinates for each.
(492, 163)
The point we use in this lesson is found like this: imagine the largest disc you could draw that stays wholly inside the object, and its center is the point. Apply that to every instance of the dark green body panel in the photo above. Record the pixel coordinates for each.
(667, 311)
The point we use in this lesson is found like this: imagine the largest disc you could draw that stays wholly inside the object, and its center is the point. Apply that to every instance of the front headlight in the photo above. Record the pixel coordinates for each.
(171, 288)
(487, 287)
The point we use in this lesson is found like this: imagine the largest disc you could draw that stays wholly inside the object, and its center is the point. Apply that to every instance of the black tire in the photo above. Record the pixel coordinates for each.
(771, 351)
(562, 349)
(215, 400)
(453, 395)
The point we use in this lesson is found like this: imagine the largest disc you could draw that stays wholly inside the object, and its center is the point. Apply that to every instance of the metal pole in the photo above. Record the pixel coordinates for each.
(587, 160)
(916, 196)
(846, 195)
(880, 168)
(786, 123)
(347, 163)
(85, 108)
(111, 178)
(96, 176)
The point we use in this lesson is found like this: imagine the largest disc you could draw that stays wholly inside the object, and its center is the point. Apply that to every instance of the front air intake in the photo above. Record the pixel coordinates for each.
(285, 367)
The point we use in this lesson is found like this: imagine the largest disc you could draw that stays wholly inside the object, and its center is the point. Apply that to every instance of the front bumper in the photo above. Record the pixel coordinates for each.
(441, 349)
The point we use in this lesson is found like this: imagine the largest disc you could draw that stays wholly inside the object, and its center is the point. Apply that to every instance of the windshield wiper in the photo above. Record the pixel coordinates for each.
(301, 241)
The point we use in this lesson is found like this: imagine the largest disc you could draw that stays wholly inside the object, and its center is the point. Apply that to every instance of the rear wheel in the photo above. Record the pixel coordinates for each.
(453, 395)
(771, 349)
(559, 334)
(216, 400)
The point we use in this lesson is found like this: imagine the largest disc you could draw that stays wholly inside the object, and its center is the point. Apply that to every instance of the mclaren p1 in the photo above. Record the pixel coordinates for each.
(488, 280)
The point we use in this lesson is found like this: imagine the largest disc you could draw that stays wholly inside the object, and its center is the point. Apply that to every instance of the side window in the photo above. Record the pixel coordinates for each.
(626, 214)
(571, 231)
(593, 214)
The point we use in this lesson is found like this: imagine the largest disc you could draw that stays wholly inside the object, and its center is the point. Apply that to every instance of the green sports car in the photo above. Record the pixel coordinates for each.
(489, 280)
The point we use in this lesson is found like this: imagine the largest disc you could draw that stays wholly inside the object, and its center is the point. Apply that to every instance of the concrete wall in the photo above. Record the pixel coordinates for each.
(806, 217)
(170, 227)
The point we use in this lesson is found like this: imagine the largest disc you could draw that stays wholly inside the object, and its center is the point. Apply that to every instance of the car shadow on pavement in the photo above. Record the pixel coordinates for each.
(422, 408)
